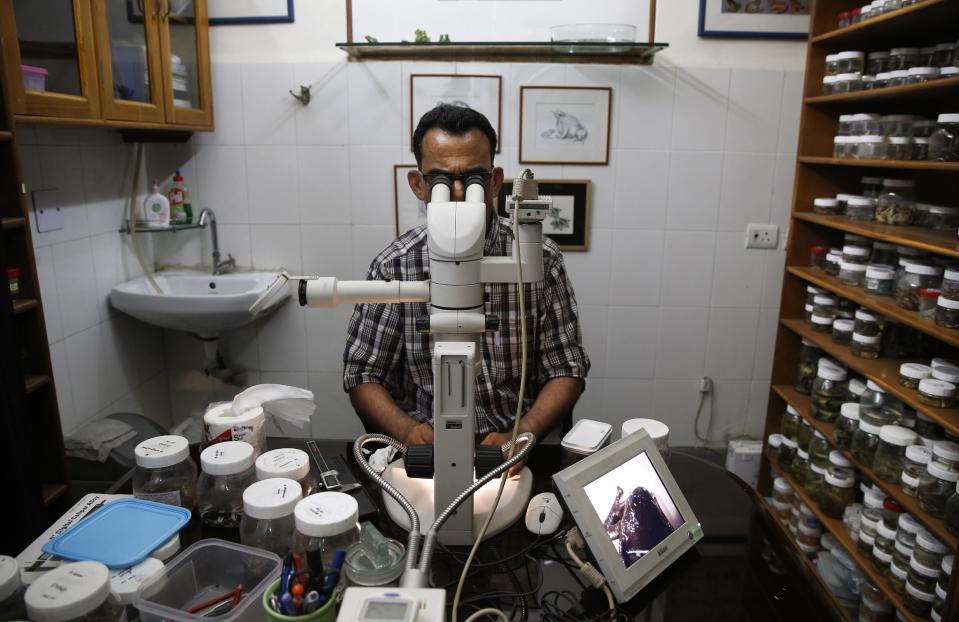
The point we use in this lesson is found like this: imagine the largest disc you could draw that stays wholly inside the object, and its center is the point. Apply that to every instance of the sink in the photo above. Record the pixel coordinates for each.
(198, 303)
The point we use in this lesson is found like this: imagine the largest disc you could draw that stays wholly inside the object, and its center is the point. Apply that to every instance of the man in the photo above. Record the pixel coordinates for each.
(388, 364)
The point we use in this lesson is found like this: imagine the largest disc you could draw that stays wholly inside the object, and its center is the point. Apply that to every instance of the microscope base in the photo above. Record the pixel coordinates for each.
(419, 492)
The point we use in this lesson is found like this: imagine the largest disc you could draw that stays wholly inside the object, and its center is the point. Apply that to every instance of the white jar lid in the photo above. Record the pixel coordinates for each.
(846, 77)
(791, 410)
(818, 470)
(891, 182)
(941, 472)
(925, 571)
(865, 339)
(886, 532)
(947, 450)
(865, 426)
(824, 320)
(811, 289)
(951, 273)
(917, 594)
(860, 251)
(326, 514)
(908, 523)
(68, 592)
(860, 201)
(949, 71)
(947, 563)
(850, 55)
(882, 76)
(774, 440)
(920, 140)
(162, 451)
(287, 462)
(930, 543)
(866, 316)
(852, 267)
(227, 458)
(803, 454)
(937, 388)
(829, 79)
(850, 410)
(781, 485)
(827, 370)
(844, 140)
(901, 573)
(946, 303)
(944, 47)
(949, 117)
(866, 538)
(898, 118)
(900, 140)
(271, 498)
(823, 202)
(882, 274)
(790, 443)
(872, 386)
(126, 583)
(942, 209)
(923, 71)
(897, 435)
(808, 308)
(919, 453)
(919, 268)
(168, 549)
(9, 576)
(824, 300)
(832, 58)
(839, 481)
(845, 118)
(834, 257)
(871, 139)
(843, 325)
(916, 371)
(909, 480)
(949, 373)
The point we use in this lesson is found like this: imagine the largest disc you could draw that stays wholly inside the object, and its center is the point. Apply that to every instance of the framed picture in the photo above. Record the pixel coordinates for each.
(568, 222)
(410, 211)
(481, 93)
(229, 12)
(564, 124)
(755, 19)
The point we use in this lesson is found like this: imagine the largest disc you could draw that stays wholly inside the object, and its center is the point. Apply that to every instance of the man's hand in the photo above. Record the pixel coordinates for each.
(499, 438)
(419, 434)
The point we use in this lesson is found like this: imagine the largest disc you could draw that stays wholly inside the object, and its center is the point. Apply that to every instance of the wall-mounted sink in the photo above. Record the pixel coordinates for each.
(202, 304)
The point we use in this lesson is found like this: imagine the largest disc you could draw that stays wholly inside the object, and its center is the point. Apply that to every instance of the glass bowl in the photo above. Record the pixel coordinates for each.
(593, 33)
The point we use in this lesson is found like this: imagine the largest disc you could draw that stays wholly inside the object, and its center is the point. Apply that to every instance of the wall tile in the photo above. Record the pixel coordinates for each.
(106, 174)
(277, 246)
(61, 378)
(627, 398)
(783, 176)
(755, 98)
(151, 399)
(594, 325)
(731, 343)
(234, 240)
(240, 348)
(765, 344)
(636, 261)
(50, 295)
(368, 242)
(371, 180)
(600, 76)
(408, 69)
(108, 269)
(747, 190)
(324, 181)
(272, 186)
(334, 416)
(674, 403)
(737, 275)
(190, 393)
(755, 419)
(325, 120)
(631, 342)
(775, 266)
(228, 115)
(375, 103)
(268, 108)
(62, 185)
(603, 189)
(76, 285)
(90, 376)
(589, 272)
(791, 107)
(592, 402)
(508, 136)
(681, 348)
(688, 268)
(694, 190)
(699, 108)
(281, 338)
(646, 112)
(326, 338)
(222, 177)
(729, 402)
(327, 249)
(642, 184)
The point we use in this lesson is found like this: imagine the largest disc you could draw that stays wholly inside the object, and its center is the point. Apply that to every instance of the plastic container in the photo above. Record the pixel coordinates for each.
(847, 82)
(864, 442)
(864, 346)
(927, 428)
(165, 473)
(325, 613)
(787, 453)
(856, 254)
(809, 355)
(928, 299)
(79, 591)
(871, 148)
(828, 391)
(890, 454)
(871, 186)
(287, 462)
(934, 490)
(918, 602)
(944, 55)
(853, 274)
(325, 522)
(942, 218)
(938, 393)
(586, 438)
(846, 425)
(876, 63)
(360, 571)
(899, 148)
(227, 472)
(203, 571)
(918, 75)
(880, 280)
(950, 284)
(916, 277)
(850, 62)
(946, 455)
(842, 331)
(11, 590)
(944, 142)
(922, 578)
(897, 124)
(821, 323)
(920, 148)
(267, 521)
(861, 208)
(826, 205)
(34, 78)
(952, 513)
(896, 203)
(837, 491)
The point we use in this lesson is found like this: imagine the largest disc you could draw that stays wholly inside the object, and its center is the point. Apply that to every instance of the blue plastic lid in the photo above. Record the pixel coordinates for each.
(120, 534)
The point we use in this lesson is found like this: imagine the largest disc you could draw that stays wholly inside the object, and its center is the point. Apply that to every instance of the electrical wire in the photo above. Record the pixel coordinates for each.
(589, 571)
(489, 611)
(132, 221)
(699, 411)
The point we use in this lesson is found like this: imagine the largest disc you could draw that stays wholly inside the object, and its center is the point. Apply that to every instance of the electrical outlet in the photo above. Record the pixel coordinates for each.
(762, 235)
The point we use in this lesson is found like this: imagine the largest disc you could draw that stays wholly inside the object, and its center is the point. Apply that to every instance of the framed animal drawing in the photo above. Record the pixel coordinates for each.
(564, 124)
(567, 223)
(481, 93)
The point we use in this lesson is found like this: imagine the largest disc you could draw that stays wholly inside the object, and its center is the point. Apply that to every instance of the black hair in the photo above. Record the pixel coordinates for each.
(455, 119)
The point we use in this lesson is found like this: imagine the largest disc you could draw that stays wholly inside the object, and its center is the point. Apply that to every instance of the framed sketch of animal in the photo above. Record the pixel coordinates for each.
(567, 223)
(564, 124)
(481, 93)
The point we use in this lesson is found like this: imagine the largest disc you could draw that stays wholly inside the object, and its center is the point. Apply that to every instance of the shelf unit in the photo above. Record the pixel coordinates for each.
(508, 51)
(818, 174)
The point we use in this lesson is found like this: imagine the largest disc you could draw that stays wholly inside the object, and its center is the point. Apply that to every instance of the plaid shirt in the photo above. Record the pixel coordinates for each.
(383, 346)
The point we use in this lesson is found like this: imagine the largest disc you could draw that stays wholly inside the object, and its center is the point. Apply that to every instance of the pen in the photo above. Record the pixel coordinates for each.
(311, 602)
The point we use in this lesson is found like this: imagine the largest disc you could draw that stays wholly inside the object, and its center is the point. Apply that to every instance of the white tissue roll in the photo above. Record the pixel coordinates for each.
(220, 424)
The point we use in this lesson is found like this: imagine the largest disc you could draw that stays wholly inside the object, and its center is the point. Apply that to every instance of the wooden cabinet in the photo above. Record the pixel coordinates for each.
(125, 64)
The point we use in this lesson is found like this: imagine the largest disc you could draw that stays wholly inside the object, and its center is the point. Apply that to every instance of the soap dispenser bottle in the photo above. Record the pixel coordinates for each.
(156, 209)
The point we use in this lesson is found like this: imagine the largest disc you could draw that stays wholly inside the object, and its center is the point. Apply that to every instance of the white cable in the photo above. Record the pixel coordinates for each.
(489, 611)
(595, 578)
(519, 409)
(133, 221)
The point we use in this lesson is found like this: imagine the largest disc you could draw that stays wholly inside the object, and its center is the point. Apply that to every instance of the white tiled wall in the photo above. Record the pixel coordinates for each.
(667, 292)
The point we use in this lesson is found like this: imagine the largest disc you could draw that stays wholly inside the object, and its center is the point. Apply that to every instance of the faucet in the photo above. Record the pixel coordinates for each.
(219, 267)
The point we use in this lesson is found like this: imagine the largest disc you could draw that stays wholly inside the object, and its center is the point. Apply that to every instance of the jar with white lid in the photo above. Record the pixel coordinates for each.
(900, 148)
(856, 254)
(809, 355)
(920, 215)
(847, 82)
(916, 277)
(938, 605)
(951, 512)
(864, 346)
(871, 186)
(833, 259)
(935, 488)
(942, 370)
(926, 427)
(267, 521)
(897, 124)
(850, 62)
(865, 124)
(164, 471)
(897, 576)
(846, 425)
(828, 84)
(837, 491)
(864, 442)
(325, 522)
(947, 312)
(853, 274)
(845, 125)
(880, 280)
(878, 408)
(860, 208)
(883, 547)
(947, 563)
(918, 602)
(943, 218)
(824, 305)
(891, 452)
(929, 551)
(911, 373)
(11, 590)
(857, 386)
(877, 63)
(814, 482)
(903, 58)
(898, 78)
(819, 449)
(821, 323)
(907, 529)
(787, 453)
(923, 128)
(881, 81)
(812, 291)
(825, 205)
(944, 55)
(865, 12)
(227, 471)
(773, 443)
(949, 72)
(944, 142)
(842, 331)
(832, 64)
(884, 255)
(804, 435)
(918, 75)
(871, 148)
(920, 149)
(828, 390)
(807, 310)
(842, 146)
(800, 466)
(290, 463)
(937, 393)
(950, 284)
(789, 423)
(922, 577)
(895, 204)
(946, 455)
(74, 592)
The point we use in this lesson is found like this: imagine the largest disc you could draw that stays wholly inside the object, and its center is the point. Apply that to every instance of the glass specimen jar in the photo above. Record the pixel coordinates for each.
(899, 148)
(952, 512)
(926, 427)
(812, 291)
(809, 355)
(868, 323)
(325, 522)
(864, 346)
(884, 254)
(920, 215)
(903, 58)
(164, 471)
(928, 299)
(950, 284)
(837, 492)
(850, 62)
(911, 373)
(918, 602)
(921, 577)
(935, 488)
(877, 62)
(787, 453)
(825, 205)
(923, 128)
(897, 124)
(267, 521)
(847, 82)
(860, 208)
(945, 55)
(824, 305)
(789, 423)
(290, 463)
(943, 218)
(832, 64)
(871, 148)
(856, 254)
(895, 204)
(906, 530)
(918, 75)
(842, 146)
(929, 551)
(814, 482)
(227, 471)
(880, 280)
(864, 442)
(920, 148)
(891, 452)
(917, 459)
(853, 274)
(938, 393)
(819, 449)
(805, 433)
(944, 142)
(947, 562)
(842, 332)
(773, 443)
(828, 390)
(821, 323)
(800, 466)
(832, 263)
(817, 257)
(897, 576)
(916, 277)
(946, 455)
(846, 425)
(782, 491)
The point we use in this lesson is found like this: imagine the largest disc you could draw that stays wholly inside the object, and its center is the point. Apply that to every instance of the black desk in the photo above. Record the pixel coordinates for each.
(719, 580)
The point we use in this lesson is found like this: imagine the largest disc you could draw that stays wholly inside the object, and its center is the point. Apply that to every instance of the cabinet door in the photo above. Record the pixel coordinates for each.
(128, 50)
(185, 51)
(50, 57)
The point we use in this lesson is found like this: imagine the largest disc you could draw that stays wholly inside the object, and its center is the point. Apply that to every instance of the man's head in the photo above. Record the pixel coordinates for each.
(455, 140)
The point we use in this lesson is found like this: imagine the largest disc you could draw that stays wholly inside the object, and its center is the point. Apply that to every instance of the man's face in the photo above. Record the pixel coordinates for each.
(456, 155)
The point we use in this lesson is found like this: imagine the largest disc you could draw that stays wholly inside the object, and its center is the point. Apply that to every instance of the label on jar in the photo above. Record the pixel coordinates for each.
(170, 498)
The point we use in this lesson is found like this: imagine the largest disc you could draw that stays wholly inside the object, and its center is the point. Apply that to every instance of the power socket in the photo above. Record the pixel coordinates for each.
(706, 385)
(762, 235)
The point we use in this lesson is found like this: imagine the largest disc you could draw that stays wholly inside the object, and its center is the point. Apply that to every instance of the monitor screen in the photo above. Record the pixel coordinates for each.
(633, 505)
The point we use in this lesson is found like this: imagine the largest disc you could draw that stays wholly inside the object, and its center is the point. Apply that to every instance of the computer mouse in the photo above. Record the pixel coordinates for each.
(543, 514)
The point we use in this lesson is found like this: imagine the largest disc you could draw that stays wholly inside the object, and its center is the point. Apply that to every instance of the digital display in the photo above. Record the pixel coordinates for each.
(385, 610)
(634, 507)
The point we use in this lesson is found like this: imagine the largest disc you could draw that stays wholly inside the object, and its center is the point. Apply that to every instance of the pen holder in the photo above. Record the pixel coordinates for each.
(326, 613)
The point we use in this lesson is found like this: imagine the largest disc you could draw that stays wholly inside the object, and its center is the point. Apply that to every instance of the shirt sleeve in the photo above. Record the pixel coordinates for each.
(374, 342)
(561, 352)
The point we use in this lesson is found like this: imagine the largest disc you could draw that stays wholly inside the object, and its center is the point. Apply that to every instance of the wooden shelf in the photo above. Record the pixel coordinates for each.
(885, 305)
(23, 305)
(516, 51)
(916, 165)
(939, 242)
(810, 566)
(6, 136)
(882, 371)
(910, 504)
(947, 87)
(13, 223)
(838, 530)
(52, 492)
(33, 383)
(929, 17)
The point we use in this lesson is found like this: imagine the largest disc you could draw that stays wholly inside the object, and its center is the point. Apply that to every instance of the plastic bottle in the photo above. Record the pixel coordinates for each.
(181, 212)
(156, 209)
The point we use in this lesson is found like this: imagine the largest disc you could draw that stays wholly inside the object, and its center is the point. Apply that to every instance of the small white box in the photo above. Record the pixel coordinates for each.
(742, 458)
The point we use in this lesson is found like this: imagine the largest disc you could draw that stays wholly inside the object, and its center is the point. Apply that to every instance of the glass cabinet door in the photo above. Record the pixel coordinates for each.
(50, 56)
(128, 45)
(186, 58)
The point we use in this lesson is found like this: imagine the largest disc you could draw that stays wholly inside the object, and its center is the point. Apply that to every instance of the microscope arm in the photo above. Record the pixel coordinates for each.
(330, 291)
